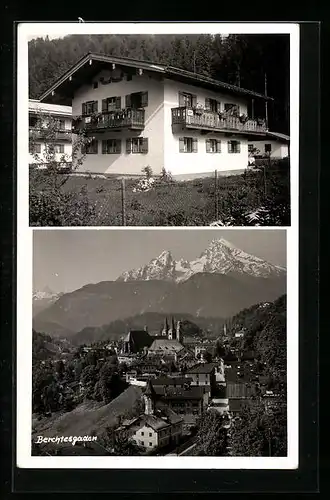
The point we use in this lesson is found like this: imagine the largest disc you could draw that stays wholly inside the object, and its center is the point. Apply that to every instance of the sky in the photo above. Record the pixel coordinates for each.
(65, 260)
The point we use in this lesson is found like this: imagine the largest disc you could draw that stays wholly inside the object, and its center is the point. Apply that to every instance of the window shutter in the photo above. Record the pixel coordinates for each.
(208, 145)
(128, 101)
(118, 102)
(194, 100)
(118, 146)
(207, 104)
(181, 99)
(181, 145)
(230, 147)
(83, 108)
(104, 105)
(218, 106)
(128, 145)
(238, 146)
(144, 99)
(104, 147)
(218, 146)
(194, 145)
(95, 106)
(144, 148)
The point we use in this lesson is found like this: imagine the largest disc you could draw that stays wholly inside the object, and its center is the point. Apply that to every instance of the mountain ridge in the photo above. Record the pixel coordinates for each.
(202, 295)
(221, 257)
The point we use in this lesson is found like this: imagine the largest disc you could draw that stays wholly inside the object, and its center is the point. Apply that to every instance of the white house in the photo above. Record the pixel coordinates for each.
(40, 115)
(143, 114)
(275, 145)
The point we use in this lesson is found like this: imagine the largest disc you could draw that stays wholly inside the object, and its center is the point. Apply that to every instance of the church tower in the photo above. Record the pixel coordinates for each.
(165, 329)
(149, 399)
(179, 336)
(172, 331)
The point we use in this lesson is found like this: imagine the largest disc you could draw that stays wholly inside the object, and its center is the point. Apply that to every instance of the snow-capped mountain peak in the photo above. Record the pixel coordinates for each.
(221, 257)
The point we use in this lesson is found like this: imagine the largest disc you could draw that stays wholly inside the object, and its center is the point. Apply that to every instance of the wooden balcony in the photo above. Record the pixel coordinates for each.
(210, 121)
(40, 134)
(125, 119)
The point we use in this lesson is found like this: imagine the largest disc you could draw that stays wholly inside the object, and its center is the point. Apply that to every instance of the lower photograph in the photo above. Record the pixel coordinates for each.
(159, 342)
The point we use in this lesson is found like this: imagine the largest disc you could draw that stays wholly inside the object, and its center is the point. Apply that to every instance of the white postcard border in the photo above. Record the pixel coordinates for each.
(24, 255)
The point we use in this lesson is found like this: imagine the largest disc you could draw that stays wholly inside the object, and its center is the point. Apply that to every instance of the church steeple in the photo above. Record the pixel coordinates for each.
(178, 332)
(166, 328)
(174, 337)
(149, 399)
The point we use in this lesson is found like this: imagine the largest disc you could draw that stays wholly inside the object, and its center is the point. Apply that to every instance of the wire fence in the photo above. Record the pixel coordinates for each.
(151, 201)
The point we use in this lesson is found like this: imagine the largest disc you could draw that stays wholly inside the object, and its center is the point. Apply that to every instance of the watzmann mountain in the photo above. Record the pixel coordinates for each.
(220, 257)
(220, 283)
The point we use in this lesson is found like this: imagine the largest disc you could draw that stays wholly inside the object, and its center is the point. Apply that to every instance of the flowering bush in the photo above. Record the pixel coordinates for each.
(144, 185)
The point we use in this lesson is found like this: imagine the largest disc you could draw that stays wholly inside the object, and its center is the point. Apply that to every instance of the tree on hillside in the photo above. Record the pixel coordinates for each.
(257, 433)
(212, 439)
(118, 442)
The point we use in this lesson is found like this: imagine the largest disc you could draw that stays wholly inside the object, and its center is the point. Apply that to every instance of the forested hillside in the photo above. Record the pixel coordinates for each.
(265, 333)
(241, 60)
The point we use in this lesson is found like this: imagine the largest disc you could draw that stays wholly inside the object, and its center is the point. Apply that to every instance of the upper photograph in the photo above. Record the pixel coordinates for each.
(159, 130)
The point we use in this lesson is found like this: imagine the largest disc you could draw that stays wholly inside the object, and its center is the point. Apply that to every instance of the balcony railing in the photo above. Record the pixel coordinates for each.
(208, 120)
(132, 119)
(46, 135)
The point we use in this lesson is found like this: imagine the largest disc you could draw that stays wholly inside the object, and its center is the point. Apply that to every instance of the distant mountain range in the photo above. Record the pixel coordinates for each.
(220, 257)
(223, 281)
(44, 298)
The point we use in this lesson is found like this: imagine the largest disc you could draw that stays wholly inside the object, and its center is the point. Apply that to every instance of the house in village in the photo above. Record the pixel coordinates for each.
(140, 114)
(156, 427)
(275, 146)
(241, 388)
(188, 401)
(203, 375)
(58, 142)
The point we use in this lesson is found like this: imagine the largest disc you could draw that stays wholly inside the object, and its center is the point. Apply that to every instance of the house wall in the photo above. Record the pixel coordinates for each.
(124, 163)
(58, 156)
(279, 149)
(67, 144)
(147, 437)
(180, 164)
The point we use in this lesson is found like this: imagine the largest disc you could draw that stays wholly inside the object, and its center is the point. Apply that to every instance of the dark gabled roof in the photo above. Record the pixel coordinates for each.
(194, 392)
(102, 60)
(138, 339)
(173, 418)
(202, 368)
(172, 381)
(150, 391)
(278, 135)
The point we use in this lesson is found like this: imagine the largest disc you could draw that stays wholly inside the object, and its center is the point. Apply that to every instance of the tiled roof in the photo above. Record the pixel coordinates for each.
(202, 368)
(239, 404)
(194, 392)
(172, 381)
(84, 67)
(55, 109)
(166, 346)
(278, 135)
